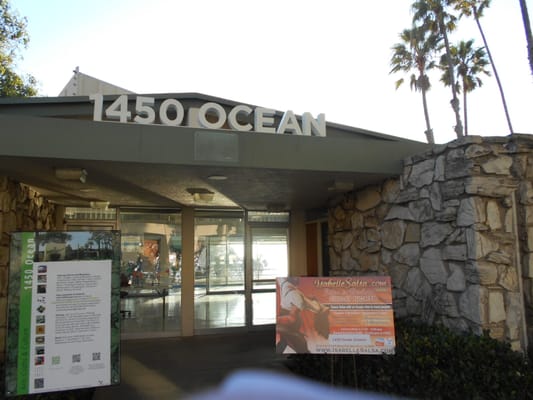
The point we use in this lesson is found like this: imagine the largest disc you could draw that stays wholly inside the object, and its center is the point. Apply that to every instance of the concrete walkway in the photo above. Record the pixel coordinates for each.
(172, 368)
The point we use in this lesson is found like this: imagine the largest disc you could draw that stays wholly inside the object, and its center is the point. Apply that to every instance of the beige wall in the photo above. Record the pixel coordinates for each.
(297, 241)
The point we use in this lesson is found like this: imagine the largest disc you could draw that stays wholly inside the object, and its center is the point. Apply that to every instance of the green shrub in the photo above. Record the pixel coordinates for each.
(431, 362)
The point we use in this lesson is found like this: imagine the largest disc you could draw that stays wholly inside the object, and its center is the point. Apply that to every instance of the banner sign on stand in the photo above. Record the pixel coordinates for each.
(63, 311)
(335, 315)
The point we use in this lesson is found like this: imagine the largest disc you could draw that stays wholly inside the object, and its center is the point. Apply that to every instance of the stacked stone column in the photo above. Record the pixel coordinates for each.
(21, 209)
(523, 147)
(448, 232)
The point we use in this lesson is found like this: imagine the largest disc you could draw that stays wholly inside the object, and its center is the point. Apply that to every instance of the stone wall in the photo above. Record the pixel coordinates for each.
(524, 171)
(21, 209)
(452, 232)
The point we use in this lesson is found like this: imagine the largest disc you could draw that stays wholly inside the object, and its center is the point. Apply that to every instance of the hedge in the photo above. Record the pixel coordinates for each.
(431, 362)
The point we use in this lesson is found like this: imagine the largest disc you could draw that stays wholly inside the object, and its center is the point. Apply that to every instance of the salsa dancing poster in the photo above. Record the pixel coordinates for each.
(336, 315)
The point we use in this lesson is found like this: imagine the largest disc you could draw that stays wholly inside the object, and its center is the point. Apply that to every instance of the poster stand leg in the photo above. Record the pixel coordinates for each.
(332, 369)
(341, 368)
(355, 383)
(332, 360)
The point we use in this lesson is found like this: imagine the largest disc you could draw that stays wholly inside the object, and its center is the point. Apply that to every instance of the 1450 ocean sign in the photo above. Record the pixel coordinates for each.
(210, 115)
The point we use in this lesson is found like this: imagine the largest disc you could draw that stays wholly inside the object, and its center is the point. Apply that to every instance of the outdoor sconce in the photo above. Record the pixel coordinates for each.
(71, 174)
(99, 205)
(201, 195)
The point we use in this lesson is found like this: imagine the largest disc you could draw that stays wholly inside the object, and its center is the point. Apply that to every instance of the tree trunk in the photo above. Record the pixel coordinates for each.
(465, 115)
(494, 69)
(429, 132)
(529, 36)
(455, 101)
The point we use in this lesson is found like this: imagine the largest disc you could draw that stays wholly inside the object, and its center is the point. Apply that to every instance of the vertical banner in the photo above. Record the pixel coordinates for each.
(336, 315)
(63, 311)
(24, 331)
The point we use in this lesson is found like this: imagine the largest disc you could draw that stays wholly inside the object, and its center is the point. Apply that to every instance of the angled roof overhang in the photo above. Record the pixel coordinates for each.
(137, 165)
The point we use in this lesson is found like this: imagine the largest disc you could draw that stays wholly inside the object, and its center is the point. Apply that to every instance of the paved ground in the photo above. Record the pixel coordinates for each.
(171, 368)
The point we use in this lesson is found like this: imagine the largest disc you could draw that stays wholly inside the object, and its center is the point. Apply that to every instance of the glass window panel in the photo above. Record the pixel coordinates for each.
(270, 260)
(219, 310)
(226, 268)
(264, 306)
(89, 214)
(151, 271)
(265, 216)
(219, 270)
(270, 257)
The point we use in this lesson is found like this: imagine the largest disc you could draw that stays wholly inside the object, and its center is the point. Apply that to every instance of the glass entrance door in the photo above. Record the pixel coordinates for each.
(269, 255)
(219, 273)
(237, 259)
(225, 266)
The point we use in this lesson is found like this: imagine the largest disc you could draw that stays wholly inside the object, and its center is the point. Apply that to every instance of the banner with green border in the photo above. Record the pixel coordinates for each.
(26, 288)
(33, 276)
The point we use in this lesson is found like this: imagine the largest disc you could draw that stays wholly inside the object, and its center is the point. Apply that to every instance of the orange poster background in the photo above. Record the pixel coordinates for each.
(359, 313)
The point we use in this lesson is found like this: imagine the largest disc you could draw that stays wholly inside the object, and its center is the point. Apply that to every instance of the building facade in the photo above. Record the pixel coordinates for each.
(214, 199)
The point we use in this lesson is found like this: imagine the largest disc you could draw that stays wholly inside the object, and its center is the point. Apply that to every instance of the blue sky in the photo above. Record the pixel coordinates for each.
(327, 57)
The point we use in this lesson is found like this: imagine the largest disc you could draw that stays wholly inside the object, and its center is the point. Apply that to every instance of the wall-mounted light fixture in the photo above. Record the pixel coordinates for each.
(99, 205)
(201, 195)
(71, 174)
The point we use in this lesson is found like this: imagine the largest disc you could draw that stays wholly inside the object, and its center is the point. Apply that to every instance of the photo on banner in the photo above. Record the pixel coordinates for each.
(63, 311)
(334, 315)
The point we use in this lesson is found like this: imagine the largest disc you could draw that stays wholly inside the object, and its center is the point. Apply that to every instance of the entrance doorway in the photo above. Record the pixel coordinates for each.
(269, 260)
(238, 255)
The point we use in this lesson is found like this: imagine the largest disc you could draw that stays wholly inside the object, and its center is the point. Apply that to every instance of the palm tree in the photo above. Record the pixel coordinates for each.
(469, 63)
(416, 52)
(529, 37)
(433, 16)
(475, 8)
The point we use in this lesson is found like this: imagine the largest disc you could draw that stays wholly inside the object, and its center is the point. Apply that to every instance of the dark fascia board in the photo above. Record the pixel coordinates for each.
(78, 139)
(57, 104)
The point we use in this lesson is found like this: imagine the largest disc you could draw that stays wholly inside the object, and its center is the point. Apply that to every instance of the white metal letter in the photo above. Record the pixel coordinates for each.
(315, 127)
(119, 109)
(232, 118)
(289, 123)
(163, 112)
(219, 111)
(144, 108)
(264, 119)
(98, 99)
